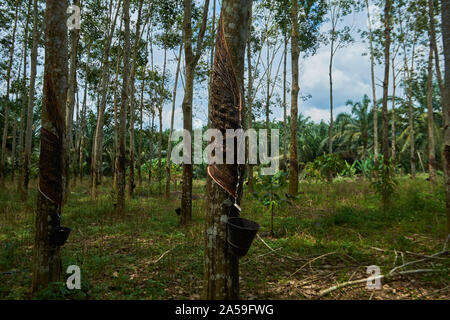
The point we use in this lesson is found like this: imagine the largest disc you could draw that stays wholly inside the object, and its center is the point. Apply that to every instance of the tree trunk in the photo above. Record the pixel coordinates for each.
(394, 88)
(131, 184)
(47, 265)
(160, 111)
(120, 205)
(24, 100)
(152, 134)
(83, 112)
(68, 137)
(221, 276)
(446, 39)
(29, 127)
(387, 60)
(431, 142)
(285, 101)
(330, 137)
(191, 63)
(172, 119)
(295, 53)
(250, 96)
(6, 112)
(141, 118)
(374, 88)
(98, 139)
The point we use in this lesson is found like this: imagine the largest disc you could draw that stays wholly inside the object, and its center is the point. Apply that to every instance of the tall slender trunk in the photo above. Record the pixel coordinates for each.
(120, 205)
(250, 95)
(160, 111)
(83, 112)
(68, 136)
(221, 275)
(374, 88)
(24, 99)
(98, 138)
(410, 74)
(431, 141)
(446, 39)
(7, 107)
(47, 266)
(13, 150)
(76, 144)
(152, 134)
(191, 63)
(330, 72)
(285, 131)
(29, 127)
(172, 119)
(131, 184)
(295, 53)
(141, 119)
(387, 60)
(393, 138)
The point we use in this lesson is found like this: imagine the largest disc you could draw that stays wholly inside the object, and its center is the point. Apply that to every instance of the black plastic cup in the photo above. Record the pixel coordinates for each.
(241, 233)
(60, 235)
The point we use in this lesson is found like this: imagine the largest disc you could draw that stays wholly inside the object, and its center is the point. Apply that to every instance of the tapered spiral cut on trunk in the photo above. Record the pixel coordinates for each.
(226, 111)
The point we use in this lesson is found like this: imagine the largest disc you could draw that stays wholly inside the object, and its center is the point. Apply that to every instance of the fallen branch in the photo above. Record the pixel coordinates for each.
(351, 283)
(275, 250)
(311, 261)
(417, 261)
(163, 255)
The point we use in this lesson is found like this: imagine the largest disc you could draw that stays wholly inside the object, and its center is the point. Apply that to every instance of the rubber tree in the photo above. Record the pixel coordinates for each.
(68, 137)
(445, 7)
(293, 148)
(221, 275)
(121, 179)
(46, 256)
(8, 89)
(98, 140)
(387, 60)
(29, 130)
(191, 61)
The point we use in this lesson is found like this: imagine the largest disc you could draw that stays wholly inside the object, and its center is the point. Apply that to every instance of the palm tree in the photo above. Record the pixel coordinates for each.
(352, 130)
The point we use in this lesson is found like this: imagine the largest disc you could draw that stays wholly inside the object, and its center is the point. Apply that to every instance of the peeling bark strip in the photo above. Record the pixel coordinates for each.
(47, 258)
(226, 113)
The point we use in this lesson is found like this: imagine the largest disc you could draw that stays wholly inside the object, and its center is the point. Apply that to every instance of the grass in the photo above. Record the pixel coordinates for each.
(330, 235)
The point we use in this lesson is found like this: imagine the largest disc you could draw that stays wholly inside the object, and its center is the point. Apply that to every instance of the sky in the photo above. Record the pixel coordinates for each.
(351, 78)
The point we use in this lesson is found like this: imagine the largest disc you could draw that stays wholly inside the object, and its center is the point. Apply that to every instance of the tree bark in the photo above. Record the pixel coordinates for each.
(431, 141)
(24, 100)
(446, 39)
(7, 107)
(295, 53)
(374, 88)
(120, 205)
(250, 96)
(285, 101)
(191, 63)
(387, 60)
(172, 119)
(70, 105)
(83, 112)
(98, 140)
(29, 127)
(221, 275)
(131, 184)
(47, 258)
